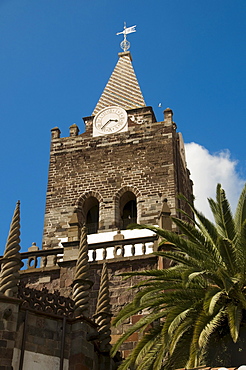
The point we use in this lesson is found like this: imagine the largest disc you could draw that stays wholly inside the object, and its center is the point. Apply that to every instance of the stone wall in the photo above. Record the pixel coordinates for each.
(147, 160)
(34, 340)
(9, 313)
(61, 279)
(120, 293)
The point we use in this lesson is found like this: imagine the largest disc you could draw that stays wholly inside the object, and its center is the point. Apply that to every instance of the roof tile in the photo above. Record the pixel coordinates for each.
(122, 88)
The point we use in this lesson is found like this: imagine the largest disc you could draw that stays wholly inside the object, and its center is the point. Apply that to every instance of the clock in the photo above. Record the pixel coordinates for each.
(110, 120)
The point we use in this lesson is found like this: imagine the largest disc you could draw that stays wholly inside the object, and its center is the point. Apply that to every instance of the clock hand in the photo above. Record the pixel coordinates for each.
(110, 120)
(106, 123)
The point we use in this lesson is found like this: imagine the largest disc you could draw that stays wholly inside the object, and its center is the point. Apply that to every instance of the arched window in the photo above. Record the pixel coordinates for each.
(91, 212)
(128, 209)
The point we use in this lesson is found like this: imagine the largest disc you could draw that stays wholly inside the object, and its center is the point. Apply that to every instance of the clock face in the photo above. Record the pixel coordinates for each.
(109, 120)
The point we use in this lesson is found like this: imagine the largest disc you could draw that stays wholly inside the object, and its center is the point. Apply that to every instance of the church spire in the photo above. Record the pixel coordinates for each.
(122, 89)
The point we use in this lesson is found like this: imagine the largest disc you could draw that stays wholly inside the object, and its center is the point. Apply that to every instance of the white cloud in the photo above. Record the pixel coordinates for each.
(207, 170)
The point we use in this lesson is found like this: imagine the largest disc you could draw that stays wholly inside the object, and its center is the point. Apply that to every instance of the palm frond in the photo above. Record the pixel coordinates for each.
(171, 272)
(183, 328)
(190, 231)
(202, 296)
(199, 246)
(228, 254)
(213, 295)
(141, 324)
(240, 214)
(125, 364)
(204, 274)
(234, 315)
(146, 348)
(182, 258)
(160, 355)
(127, 311)
(199, 324)
(204, 224)
(153, 356)
(178, 319)
(213, 323)
(180, 354)
(222, 214)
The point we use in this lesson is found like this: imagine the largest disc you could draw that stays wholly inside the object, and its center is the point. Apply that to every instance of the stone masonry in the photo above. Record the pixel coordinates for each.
(147, 160)
(144, 163)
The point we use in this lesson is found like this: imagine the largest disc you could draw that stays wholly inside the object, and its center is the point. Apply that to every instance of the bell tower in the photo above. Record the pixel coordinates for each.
(120, 169)
(125, 168)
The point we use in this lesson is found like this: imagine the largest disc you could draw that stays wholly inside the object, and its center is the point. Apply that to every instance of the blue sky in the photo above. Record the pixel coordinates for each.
(57, 55)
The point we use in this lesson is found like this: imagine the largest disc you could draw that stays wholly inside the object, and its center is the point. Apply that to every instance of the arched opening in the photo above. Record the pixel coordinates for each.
(91, 212)
(128, 209)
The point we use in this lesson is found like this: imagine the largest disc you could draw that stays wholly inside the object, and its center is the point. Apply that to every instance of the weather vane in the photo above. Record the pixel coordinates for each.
(125, 44)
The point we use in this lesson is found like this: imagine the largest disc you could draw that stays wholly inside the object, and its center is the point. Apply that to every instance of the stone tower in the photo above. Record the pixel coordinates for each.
(119, 170)
(125, 168)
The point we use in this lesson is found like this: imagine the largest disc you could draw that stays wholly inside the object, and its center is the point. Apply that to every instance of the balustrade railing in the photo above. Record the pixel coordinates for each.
(110, 250)
(121, 248)
(40, 258)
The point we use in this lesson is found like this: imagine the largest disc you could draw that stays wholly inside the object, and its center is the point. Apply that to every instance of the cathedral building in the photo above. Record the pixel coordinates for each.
(125, 168)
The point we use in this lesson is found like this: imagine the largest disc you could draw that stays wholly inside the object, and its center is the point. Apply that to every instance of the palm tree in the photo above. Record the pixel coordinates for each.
(197, 307)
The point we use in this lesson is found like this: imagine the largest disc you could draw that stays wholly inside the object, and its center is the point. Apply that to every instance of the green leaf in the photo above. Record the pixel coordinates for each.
(234, 314)
(222, 214)
(228, 254)
(213, 322)
(203, 293)
(141, 324)
(214, 300)
(240, 214)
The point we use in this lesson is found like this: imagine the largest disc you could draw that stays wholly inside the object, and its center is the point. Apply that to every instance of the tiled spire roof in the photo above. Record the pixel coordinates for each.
(122, 88)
